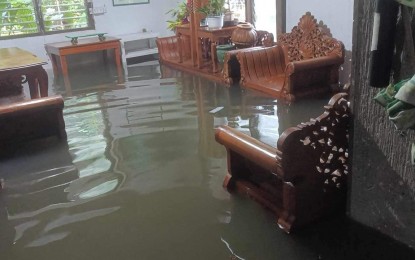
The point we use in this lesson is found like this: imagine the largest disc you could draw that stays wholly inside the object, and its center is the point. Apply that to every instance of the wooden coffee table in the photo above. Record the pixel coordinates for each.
(18, 66)
(84, 45)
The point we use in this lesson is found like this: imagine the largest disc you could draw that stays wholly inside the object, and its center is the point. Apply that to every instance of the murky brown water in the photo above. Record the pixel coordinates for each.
(141, 176)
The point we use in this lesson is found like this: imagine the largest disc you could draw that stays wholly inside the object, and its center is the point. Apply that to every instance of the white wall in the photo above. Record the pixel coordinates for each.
(117, 20)
(336, 14)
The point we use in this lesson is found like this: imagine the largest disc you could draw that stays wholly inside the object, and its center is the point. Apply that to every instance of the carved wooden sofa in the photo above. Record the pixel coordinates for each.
(26, 120)
(302, 179)
(304, 62)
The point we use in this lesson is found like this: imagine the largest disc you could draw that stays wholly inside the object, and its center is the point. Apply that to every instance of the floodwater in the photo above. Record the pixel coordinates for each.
(141, 178)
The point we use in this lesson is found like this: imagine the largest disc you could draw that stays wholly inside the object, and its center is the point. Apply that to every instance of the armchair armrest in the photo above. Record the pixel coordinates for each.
(249, 147)
(32, 119)
(302, 65)
(30, 106)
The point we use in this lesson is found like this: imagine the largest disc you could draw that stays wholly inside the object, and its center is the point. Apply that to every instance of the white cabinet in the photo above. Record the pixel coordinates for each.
(138, 44)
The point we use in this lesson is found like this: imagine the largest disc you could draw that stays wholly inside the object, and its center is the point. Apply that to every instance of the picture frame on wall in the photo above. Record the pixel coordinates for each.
(129, 2)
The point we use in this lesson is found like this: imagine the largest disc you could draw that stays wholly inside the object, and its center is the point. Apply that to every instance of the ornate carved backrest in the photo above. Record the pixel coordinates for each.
(264, 38)
(309, 40)
(319, 148)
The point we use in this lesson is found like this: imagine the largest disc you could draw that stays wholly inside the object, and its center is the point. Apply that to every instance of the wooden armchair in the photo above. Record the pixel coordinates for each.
(31, 119)
(304, 177)
(231, 68)
(304, 62)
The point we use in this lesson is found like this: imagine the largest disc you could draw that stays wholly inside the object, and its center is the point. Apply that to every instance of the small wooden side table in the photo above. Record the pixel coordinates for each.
(214, 35)
(18, 66)
(62, 49)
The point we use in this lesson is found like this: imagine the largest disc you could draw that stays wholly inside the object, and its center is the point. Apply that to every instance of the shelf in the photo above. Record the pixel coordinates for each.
(138, 44)
(139, 53)
(137, 36)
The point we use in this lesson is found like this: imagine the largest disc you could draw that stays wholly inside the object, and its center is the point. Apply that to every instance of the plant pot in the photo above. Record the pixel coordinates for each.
(215, 22)
(221, 50)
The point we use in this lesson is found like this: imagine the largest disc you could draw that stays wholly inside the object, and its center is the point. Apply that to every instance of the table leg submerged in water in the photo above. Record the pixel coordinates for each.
(36, 77)
(117, 57)
(38, 82)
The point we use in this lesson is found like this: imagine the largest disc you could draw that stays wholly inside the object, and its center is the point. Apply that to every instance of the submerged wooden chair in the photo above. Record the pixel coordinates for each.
(303, 178)
(27, 120)
(304, 62)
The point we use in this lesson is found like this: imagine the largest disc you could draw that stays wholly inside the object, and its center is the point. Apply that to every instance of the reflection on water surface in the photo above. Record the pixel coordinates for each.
(141, 176)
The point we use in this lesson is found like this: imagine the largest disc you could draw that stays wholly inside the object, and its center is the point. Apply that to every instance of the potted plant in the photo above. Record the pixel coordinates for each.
(213, 11)
(180, 16)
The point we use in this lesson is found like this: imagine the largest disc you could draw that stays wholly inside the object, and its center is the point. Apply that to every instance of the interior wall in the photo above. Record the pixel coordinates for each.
(336, 14)
(116, 21)
(383, 182)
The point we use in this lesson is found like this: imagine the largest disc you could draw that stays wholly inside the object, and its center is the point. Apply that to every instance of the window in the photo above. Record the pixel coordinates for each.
(238, 9)
(267, 19)
(36, 17)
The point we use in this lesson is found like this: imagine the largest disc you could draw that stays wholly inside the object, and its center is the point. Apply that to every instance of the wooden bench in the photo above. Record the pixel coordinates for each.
(303, 178)
(304, 62)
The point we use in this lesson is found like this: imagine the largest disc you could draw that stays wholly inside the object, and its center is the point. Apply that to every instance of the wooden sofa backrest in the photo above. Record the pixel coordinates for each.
(263, 62)
(168, 47)
(310, 40)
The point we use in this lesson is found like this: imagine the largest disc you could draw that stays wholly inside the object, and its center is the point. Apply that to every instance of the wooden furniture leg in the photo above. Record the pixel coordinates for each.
(52, 58)
(33, 83)
(33, 87)
(117, 57)
(65, 74)
(37, 80)
(43, 81)
(180, 44)
(199, 53)
(213, 57)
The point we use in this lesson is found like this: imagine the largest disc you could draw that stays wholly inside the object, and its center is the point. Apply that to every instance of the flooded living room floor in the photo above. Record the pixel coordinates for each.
(140, 177)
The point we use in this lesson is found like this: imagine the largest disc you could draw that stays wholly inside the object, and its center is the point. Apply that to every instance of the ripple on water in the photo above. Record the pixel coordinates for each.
(141, 176)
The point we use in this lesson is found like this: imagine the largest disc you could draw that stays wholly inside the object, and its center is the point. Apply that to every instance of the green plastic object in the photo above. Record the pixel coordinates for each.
(387, 95)
(74, 39)
(407, 92)
(400, 112)
(410, 3)
(404, 119)
(221, 50)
